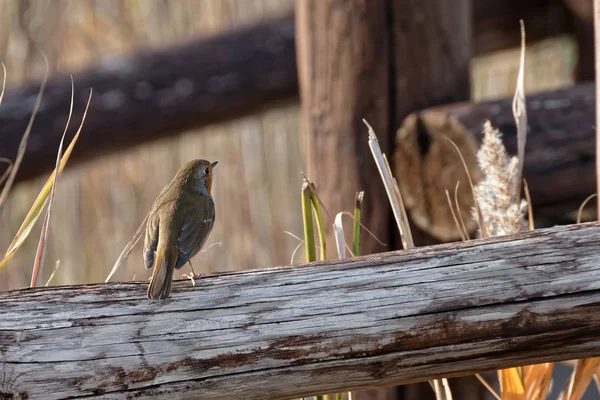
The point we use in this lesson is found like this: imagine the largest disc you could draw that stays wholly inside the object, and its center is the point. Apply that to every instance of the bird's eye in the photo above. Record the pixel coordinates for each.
(206, 171)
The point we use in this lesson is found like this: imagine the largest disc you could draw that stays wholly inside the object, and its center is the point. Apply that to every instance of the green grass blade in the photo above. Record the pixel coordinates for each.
(320, 223)
(356, 231)
(309, 232)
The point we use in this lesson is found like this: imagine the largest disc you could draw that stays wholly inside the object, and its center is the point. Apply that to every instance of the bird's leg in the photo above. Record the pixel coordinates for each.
(192, 276)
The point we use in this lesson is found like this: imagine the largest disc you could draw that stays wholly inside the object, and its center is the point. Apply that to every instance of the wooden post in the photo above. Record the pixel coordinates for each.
(343, 64)
(494, 23)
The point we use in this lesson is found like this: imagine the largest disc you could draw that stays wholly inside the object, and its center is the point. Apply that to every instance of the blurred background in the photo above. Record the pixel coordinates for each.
(99, 204)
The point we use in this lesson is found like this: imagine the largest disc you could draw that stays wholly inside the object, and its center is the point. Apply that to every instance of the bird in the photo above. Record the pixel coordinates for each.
(179, 222)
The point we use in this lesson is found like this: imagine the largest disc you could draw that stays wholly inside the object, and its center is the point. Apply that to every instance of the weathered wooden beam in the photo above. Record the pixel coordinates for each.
(559, 156)
(284, 332)
(154, 94)
(162, 92)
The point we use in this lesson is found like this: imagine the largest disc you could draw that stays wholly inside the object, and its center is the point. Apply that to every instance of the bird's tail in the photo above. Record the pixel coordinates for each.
(164, 265)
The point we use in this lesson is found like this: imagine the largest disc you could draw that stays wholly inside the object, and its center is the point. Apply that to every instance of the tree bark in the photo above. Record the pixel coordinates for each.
(285, 332)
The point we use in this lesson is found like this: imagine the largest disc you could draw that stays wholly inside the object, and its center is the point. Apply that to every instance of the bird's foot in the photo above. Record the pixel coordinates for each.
(191, 277)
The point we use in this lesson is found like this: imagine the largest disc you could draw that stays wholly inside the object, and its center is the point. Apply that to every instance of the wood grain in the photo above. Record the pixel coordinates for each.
(284, 332)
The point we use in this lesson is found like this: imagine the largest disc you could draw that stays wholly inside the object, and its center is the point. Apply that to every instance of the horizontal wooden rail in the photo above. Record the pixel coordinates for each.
(560, 151)
(284, 332)
(154, 94)
(158, 93)
(559, 155)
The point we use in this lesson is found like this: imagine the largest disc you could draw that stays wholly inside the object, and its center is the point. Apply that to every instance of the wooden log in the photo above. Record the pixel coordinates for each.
(559, 156)
(285, 332)
(430, 166)
(154, 94)
(343, 64)
(162, 92)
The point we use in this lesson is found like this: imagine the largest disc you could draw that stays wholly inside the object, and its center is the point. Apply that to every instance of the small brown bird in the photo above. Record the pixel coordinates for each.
(178, 225)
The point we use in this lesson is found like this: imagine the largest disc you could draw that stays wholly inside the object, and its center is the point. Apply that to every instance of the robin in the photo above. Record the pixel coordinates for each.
(178, 225)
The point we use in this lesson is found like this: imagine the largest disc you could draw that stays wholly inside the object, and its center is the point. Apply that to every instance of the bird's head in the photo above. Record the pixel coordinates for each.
(197, 174)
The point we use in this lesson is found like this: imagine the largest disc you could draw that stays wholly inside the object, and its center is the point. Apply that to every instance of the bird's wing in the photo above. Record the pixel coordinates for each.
(151, 239)
(195, 230)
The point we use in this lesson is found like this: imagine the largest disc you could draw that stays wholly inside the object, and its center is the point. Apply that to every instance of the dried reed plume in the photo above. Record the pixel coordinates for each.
(498, 192)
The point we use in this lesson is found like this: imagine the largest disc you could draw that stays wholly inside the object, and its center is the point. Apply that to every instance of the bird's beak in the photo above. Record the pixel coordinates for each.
(214, 164)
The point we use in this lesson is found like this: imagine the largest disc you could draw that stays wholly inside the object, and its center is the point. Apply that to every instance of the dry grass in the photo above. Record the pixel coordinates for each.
(497, 194)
